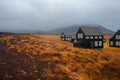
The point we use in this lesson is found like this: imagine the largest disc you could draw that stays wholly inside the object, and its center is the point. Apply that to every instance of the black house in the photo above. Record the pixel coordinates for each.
(89, 37)
(65, 37)
(115, 40)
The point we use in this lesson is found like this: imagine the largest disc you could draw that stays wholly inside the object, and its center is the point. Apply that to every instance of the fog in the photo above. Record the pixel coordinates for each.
(51, 14)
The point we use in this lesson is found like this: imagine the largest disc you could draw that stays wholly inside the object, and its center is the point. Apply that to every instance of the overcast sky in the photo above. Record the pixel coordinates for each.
(50, 14)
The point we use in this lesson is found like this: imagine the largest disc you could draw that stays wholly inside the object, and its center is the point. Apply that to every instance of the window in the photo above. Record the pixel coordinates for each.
(96, 43)
(66, 38)
(75, 40)
(63, 35)
(87, 37)
(100, 43)
(117, 36)
(111, 43)
(117, 43)
(100, 37)
(80, 35)
(96, 37)
(91, 37)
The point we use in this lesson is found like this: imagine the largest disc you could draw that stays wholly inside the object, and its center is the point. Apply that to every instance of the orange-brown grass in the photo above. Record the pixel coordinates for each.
(45, 57)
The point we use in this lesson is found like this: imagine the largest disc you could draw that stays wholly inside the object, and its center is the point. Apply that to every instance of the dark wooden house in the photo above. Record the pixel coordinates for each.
(65, 37)
(89, 37)
(115, 40)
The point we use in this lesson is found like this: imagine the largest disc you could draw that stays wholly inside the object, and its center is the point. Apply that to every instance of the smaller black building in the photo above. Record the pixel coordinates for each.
(89, 37)
(65, 37)
(115, 40)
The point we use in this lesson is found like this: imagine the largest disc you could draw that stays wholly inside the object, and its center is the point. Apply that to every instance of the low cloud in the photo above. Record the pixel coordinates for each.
(49, 14)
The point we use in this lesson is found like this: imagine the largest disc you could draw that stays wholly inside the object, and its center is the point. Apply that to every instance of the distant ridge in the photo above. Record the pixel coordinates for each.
(69, 30)
(23, 31)
(74, 29)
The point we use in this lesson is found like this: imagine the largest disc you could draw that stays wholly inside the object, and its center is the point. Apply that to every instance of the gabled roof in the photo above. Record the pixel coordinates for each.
(118, 32)
(91, 30)
(69, 34)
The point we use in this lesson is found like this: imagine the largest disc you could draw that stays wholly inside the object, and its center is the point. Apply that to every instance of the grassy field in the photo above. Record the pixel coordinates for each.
(45, 57)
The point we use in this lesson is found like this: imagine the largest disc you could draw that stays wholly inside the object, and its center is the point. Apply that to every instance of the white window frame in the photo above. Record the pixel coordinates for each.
(63, 39)
(96, 37)
(100, 43)
(91, 37)
(63, 35)
(96, 43)
(117, 36)
(117, 43)
(87, 37)
(111, 43)
(80, 35)
(70, 38)
(75, 40)
(100, 37)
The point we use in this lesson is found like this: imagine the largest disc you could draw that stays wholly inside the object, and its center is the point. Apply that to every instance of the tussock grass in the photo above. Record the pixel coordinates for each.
(45, 57)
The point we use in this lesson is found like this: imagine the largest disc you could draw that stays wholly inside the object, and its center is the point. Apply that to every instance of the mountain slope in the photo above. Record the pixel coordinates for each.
(23, 31)
(106, 31)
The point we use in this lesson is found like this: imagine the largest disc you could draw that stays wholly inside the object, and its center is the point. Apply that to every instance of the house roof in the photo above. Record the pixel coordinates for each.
(69, 34)
(91, 30)
(118, 32)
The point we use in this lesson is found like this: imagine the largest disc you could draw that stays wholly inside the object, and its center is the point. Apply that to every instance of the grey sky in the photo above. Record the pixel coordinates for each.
(49, 14)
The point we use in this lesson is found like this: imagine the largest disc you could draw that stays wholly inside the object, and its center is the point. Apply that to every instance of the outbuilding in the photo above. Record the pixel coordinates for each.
(66, 37)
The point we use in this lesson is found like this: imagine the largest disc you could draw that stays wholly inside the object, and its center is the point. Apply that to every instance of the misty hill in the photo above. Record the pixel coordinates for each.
(74, 29)
(23, 31)
(69, 30)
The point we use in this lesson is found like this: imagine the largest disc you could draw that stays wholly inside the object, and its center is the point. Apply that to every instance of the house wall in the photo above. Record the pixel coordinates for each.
(65, 37)
(94, 43)
(114, 43)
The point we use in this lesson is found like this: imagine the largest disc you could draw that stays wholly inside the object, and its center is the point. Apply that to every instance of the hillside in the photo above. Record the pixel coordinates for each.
(45, 57)
(69, 30)
(22, 31)
(74, 29)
